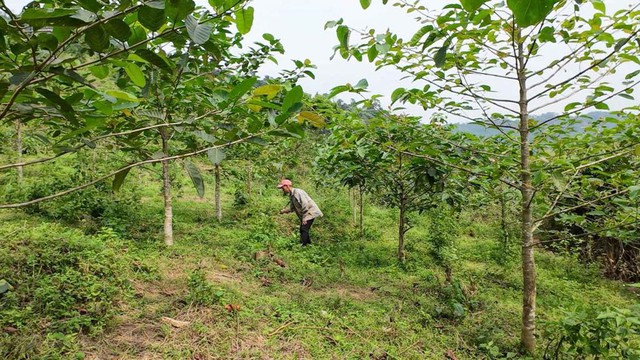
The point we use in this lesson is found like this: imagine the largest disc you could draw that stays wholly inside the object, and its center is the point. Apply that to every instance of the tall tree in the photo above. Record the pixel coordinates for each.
(469, 58)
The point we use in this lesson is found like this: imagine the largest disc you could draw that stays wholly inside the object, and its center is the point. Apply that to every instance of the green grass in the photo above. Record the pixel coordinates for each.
(344, 297)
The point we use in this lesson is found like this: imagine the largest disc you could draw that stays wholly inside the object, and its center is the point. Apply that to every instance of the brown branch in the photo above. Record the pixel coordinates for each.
(547, 216)
(130, 166)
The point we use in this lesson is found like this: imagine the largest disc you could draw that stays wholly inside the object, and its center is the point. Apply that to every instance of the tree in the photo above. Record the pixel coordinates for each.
(470, 44)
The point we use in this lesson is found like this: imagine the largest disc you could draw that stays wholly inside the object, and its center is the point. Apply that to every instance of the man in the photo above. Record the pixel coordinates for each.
(303, 206)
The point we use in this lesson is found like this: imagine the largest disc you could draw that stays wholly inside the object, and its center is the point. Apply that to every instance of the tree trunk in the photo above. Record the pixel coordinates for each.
(166, 191)
(354, 206)
(526, 189)
(216, 174)
(249, 180)
(361, 211)
(401, 225)
(19, 149)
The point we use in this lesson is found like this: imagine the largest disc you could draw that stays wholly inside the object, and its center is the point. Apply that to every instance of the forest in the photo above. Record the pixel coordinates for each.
(142, 150)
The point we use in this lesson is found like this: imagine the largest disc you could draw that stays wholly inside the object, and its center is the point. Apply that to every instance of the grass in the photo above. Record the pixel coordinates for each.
(344, 297)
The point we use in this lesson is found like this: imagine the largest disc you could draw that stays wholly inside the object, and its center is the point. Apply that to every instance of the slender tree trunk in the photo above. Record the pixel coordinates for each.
(216, 174)
(19, 149)
(354, 207)
(503, 219)
(166, 191)
(361, 211)
(401, 225)
(528, 261)
(250, 180)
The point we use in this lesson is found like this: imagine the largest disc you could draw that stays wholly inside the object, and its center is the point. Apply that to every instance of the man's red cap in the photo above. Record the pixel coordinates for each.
(284, 182)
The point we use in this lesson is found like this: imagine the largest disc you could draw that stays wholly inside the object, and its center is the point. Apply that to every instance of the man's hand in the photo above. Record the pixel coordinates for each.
(304, 222)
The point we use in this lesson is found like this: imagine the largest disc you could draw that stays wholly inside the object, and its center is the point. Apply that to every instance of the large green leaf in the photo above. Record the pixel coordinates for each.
(97, 38)
(118, 179)
(151, 18)
(293, 96)
(244, 20)
(242, 88)
(216, 156)
(343, 36)
(530, 12)
(177, 10)
(365, 3)
(199, 33)
(441, 56)
(62, 104)
(195, 176)
(37, 14)
(154, 59)
(138, 34)
(472, 5)
(118, 29)
(135, 74)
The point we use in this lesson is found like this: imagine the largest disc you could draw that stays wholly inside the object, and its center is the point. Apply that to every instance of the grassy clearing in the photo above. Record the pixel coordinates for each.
(345, 297)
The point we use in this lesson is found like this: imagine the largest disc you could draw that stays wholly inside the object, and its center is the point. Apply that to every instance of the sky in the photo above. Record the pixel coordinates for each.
(299, 24)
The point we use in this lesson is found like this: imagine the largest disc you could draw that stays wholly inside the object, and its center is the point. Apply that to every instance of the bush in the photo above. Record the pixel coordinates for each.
(443, 230)
(201, 292)
(62, 283)
(611, 334)
(93, 208)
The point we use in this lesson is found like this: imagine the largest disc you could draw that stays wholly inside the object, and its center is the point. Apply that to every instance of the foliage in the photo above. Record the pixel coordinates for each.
(441, 234)
(610, 334)
(63, 283)
(202, 292)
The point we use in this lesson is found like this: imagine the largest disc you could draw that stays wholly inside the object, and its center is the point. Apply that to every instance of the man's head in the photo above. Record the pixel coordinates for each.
(285, 185)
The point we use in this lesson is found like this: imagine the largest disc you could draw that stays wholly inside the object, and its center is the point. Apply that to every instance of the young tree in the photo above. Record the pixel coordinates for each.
(470, 58)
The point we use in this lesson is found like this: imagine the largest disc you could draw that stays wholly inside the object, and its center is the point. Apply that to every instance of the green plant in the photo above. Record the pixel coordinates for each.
(201, 292)
(442, 233)
(610, 334)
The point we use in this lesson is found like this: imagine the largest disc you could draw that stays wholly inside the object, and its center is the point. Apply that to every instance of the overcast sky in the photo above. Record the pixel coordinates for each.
(300, 26)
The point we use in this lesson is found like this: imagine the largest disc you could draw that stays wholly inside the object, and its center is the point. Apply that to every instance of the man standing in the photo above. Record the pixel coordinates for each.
(303, 206)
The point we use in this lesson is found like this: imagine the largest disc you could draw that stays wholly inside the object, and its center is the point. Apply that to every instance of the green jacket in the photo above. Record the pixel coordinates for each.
(303, 205)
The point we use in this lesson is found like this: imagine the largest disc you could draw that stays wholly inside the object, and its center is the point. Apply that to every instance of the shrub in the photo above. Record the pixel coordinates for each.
(610, 334)
(201, 292)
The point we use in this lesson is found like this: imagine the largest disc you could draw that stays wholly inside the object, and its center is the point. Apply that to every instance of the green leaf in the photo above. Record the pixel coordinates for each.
(337, 90)
(195, 176)
(135, 74)
(343, 36)
(62, 104)
(397, 94)
(47, 41)
(118, 29)
(97, 38)
(177, 10)
(242, 88)
(118, 179)
(151, 18)
(99, 71)
(472, 5)
(244, 20)
(118, 94)
(271, 90)
(91, 5)
(216, 156)
(441, 55)
(372, 53)
(293, 96)
(154, 59)
(199, 33)
(365, 3)
(530, 12)
(362, 84)
(138, 34)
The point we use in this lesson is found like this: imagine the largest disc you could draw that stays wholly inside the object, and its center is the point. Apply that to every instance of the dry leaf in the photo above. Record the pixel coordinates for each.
(175, 323)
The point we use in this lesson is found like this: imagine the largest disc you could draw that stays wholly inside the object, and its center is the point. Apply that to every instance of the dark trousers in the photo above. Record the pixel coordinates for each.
(304, 232)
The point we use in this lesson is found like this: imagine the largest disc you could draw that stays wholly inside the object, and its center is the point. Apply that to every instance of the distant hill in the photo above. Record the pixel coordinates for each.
(583, 121)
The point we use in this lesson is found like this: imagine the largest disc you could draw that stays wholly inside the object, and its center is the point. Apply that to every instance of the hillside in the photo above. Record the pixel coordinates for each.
(244, 288)
(582, 122)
